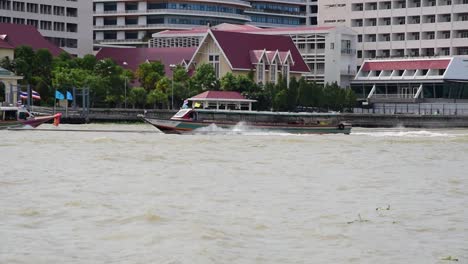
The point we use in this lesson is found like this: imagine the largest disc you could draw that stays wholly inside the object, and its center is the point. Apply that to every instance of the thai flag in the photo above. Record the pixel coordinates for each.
(23, 95)
(36, 95)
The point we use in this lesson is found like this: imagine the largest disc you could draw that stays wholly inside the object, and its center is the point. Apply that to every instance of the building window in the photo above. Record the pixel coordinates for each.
(273, 70)
(214, 61)
(286, 72)
(260, 72)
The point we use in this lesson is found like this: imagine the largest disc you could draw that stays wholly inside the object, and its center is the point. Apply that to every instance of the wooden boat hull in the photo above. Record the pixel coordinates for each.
(181, 127)
(33, 122)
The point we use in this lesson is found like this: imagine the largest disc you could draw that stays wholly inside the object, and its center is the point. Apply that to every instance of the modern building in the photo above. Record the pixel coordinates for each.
(400, 28)
(68, 24)
(282, 13)
(412, 82)
(132, 23)
(329, 52)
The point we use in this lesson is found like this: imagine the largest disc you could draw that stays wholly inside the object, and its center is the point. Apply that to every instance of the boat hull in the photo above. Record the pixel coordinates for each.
(33, 122)
(182, 127)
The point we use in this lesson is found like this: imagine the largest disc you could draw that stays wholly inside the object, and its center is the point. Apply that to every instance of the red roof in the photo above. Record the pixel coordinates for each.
(220, 95)
(237, 46)
(4, 44)
(26, 35)
(405, 65)
(131, 58)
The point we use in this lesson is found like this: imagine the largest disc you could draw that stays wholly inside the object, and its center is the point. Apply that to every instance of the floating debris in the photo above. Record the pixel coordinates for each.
(383, 208)
(450, 258)
(360, 220)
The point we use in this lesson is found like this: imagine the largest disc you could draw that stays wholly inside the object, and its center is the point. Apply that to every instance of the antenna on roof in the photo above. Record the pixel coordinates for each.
(208, 25)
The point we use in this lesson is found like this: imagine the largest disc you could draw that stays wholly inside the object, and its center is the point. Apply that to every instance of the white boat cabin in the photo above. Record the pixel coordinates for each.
(11, 113)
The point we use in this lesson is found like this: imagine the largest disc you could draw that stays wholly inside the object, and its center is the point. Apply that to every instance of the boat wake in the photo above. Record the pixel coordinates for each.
(410, 134)
(240, 128)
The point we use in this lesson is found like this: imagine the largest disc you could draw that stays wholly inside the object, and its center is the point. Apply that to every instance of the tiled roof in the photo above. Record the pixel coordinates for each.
(131, 58)
(237, 46)
(4, 44)
(230, 95)
(26, 35)
(405, 65)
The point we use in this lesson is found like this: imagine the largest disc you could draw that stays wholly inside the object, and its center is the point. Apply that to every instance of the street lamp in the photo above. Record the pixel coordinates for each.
(172, 67)
(125, 86)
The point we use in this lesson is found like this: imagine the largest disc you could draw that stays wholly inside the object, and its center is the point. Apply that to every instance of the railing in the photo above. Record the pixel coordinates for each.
(416, 109)
(199, 12)
(274, 11)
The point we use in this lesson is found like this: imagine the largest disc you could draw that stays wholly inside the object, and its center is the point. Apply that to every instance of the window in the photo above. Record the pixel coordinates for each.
(260, 71)
(332, 45)
(273, 70)
(214, 61)
(286, 72)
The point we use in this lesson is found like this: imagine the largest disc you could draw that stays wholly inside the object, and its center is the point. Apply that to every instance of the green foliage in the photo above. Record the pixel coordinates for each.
(108, 82)
(137, 96)
(150, 73)
(204, 79)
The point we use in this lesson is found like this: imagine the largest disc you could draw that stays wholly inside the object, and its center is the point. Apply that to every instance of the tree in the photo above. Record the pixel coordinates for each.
(24, 63)
(149, 74)
(137, 96)
(229, 82)
(204, 79)
(157, 96)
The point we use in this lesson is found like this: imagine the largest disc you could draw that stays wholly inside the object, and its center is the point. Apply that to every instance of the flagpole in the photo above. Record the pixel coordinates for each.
(55, 100)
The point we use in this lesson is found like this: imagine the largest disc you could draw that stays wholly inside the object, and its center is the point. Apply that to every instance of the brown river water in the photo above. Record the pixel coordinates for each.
(239, 196)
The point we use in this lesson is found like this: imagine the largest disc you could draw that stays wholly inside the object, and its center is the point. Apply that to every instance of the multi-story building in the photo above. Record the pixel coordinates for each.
(66, 23)
(329, 52)
(132, 23)
(278, 13)
(401, 28)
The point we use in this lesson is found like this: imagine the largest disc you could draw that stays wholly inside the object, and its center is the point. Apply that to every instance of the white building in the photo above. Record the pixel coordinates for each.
(410, 85)
(398, 28)
(131, 23)
(330, 52)
(68, 24)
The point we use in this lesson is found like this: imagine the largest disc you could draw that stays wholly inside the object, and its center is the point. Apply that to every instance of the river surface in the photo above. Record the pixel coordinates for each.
(375, 196)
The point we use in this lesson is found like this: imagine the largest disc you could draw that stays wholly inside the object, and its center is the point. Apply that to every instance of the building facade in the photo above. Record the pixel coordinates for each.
(282, 13)
(132, 23)
(66, 23)
(329, 52)
(401, 28)
(410, 85)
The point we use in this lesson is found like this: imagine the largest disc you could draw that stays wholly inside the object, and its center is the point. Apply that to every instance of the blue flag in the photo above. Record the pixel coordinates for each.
(69, 96)
(59, 95)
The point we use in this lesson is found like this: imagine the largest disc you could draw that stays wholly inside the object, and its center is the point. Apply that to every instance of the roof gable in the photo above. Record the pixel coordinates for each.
(237, 47)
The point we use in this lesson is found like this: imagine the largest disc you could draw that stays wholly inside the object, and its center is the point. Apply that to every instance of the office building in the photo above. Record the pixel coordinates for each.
(66, 23)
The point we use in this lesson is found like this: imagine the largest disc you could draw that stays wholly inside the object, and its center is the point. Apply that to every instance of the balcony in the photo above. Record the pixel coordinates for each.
(169, 11)
(276, 12)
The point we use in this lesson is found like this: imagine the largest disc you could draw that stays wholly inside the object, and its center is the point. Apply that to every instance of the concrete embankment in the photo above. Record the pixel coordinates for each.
(357, 120)
(416, 121)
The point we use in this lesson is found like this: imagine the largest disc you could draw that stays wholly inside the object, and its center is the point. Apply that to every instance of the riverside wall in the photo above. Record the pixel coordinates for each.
(357, 120)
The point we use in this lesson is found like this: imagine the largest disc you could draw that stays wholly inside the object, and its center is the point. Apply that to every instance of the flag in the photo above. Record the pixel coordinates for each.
(23, 95)
(59, 95)
(69, 96)
(197, 105)
(36, 95)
